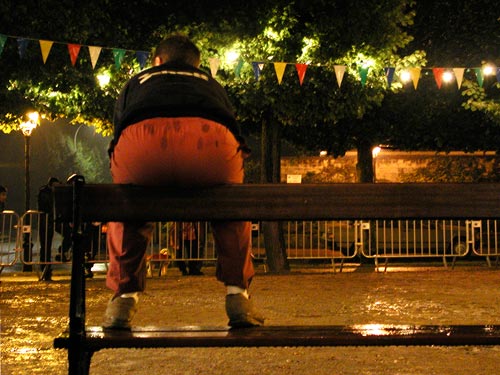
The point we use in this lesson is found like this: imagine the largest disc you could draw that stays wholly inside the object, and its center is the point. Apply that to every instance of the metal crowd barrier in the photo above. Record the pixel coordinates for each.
(485, 238)
(9, 238)
(332, 241)
(390, 239)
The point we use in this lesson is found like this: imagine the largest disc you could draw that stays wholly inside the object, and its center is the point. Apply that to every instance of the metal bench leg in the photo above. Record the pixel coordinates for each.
(78, 357)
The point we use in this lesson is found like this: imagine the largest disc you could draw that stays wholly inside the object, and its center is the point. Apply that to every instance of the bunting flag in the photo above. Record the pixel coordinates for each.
(479, 76)
(142, 58)
(301, 72)
(45, 46)
(389, 74)
(118, 54)
(94, 53)
(279, 68)
(438, 76)
(239, 66)
(257, 69)
(339, 73)
(415, 76)
(363, 72)
(459, 75)
(22, 45)
(214, 65)
(74, 50)
(3, 39)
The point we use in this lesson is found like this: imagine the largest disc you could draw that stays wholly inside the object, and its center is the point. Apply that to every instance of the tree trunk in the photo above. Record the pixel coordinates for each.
(366, 173)
(364, 166)
(270, 173)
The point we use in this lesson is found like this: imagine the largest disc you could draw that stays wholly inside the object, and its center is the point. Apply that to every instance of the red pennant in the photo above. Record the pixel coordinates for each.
(301, 71)
(438, 76)
(74, 50)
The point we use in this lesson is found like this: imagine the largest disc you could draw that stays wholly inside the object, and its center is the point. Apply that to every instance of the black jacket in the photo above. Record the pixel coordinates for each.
(173, 90)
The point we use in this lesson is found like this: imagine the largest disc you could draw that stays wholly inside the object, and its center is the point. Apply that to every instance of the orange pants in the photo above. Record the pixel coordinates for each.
(176, 152)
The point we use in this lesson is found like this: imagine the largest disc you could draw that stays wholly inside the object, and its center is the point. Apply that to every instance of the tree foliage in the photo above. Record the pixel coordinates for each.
(467, 37)
(315, 115)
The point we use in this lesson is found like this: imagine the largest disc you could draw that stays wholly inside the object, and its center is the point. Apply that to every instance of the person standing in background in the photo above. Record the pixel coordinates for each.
(3, 197)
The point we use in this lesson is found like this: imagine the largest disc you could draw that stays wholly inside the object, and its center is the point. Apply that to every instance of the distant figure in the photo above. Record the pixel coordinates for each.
(3, 197)
(46, 226)
(189, 242)
(91, 234)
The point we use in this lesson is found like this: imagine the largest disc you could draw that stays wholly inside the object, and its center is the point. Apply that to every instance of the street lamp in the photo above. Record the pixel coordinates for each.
(27, 128)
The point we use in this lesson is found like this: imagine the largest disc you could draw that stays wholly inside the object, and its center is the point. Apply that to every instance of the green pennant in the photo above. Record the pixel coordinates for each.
(118, 55)
(239, 65)
(479, 76)
(363, 72)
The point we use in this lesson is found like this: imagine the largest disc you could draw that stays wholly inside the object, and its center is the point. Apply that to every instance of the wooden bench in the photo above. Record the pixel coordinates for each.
(80, 202)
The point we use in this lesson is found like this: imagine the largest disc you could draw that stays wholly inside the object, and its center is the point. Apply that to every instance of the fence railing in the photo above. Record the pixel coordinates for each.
(35, 239)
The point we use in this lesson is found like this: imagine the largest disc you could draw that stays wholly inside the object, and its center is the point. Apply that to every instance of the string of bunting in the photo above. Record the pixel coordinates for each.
(440, 74)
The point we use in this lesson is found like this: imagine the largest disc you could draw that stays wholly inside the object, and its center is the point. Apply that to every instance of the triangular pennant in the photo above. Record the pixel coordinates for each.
(339, 73)
(459, 75)
(45, 46)
(22, 45)
(498, 74)
(239, 66)
(363, 73)
(257, 68)
(94, 53)
(389, 74)
(74, 50)
(118, 55)
(3, 39)
(142, 58)
(438, 76)
(214, 65)
(301, 71)
(479, 76)
(415, 76)
(279, 68)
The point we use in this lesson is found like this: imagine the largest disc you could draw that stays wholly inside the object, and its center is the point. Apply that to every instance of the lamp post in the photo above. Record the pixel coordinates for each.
(27, 128)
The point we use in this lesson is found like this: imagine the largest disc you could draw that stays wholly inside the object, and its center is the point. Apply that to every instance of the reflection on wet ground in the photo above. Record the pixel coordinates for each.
(33, 313)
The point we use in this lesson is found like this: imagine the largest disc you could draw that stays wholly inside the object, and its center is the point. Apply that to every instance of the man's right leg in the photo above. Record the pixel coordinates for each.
(127, 244)
(235, 269)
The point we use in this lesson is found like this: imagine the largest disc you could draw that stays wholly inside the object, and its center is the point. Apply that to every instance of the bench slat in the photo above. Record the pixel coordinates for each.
(113, 202)
(352, 335)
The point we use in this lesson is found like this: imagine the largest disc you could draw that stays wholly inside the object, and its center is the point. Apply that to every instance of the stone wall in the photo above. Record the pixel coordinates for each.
(398, 166)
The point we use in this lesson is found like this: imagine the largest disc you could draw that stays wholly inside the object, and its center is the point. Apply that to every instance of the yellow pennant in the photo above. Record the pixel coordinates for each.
(415, 76)
(459, 75)
(279, 68)
(94, 55)
(45, 46)
(339, 73)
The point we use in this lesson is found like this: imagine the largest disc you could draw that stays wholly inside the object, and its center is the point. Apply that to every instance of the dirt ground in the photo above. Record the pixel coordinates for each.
(33, 313)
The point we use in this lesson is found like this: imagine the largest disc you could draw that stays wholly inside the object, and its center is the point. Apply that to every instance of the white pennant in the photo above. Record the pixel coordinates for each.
(94, 54)
(214, 65)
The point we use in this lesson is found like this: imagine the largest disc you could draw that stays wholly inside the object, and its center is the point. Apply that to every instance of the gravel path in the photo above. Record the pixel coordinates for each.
(33, 313)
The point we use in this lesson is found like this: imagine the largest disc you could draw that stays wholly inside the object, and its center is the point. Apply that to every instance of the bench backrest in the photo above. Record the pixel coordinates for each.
(114, 202)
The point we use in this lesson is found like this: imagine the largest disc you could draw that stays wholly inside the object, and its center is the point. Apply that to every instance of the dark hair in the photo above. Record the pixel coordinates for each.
(3, 189)
(179, 48)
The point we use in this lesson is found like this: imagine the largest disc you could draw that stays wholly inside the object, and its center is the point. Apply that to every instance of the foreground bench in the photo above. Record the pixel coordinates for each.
(82, 203)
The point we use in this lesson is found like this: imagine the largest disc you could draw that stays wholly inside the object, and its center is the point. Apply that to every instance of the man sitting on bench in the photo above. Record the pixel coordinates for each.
(173, 125)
